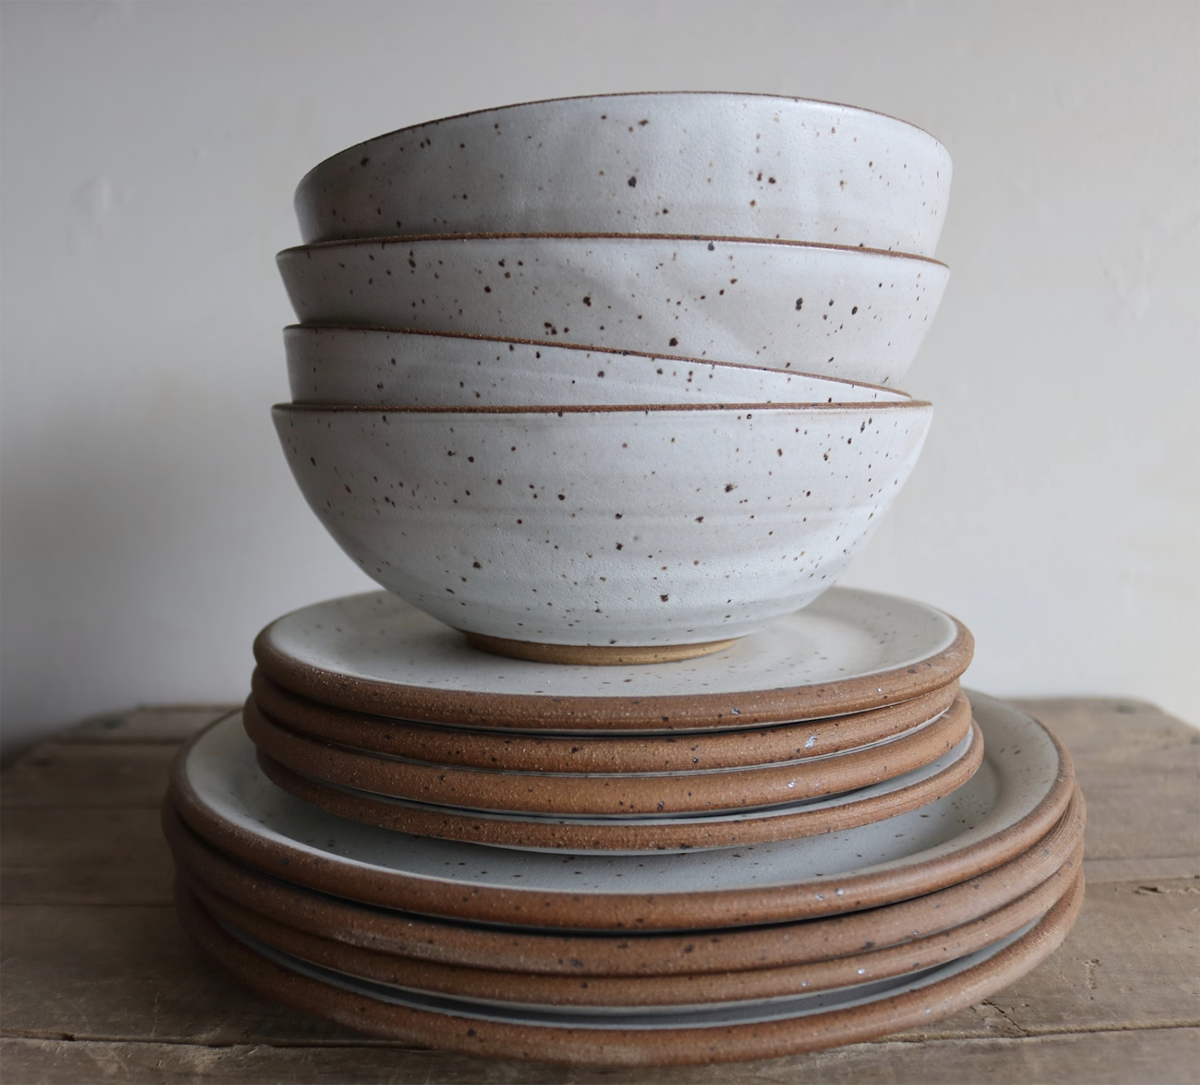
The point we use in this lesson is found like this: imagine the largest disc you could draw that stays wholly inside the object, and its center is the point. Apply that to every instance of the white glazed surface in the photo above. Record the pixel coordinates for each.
(739, 165)
(375, 638)
(607, 528)
(1019, 769)
(857, 314)
(391, 367)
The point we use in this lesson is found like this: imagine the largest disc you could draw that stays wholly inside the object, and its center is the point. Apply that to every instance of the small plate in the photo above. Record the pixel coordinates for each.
(578, 794)
(848, 651)
(647, 751)
(1018, 794)
(750, 1031)
(643, 834)
(557, 952)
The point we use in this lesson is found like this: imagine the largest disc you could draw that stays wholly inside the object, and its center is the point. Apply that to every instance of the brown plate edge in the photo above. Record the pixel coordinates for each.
(619, 1047)
(591, 954)
(728, 908)
(675, 712)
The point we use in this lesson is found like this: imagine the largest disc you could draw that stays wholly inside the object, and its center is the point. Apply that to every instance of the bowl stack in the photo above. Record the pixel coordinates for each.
(603, 392)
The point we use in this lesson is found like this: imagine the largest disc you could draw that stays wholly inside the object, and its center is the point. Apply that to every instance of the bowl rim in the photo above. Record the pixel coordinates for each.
(782, 98)
(603, 408)
(319, 326)
(383, 241)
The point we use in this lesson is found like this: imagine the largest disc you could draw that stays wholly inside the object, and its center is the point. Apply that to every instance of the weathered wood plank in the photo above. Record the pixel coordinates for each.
(1102, 871)
(73, 775)
(129, 973)
(1129, 962)
(1165, 1056)
(90, 856)
(1095, 725)
(149, 723)
(1139, 770)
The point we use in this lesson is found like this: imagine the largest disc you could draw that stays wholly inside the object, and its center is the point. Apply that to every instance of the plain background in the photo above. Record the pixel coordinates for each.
(149, 153)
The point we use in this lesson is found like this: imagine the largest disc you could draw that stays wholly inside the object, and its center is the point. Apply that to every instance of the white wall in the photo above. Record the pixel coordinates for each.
(149, 523)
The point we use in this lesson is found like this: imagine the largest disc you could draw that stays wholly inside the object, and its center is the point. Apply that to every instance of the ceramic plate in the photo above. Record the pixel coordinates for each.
(557, 952)
(653, 994)
(577, 794)
(848, 651)
(643, 834)
(806, 1023)
(1020, 791)
(544, 751)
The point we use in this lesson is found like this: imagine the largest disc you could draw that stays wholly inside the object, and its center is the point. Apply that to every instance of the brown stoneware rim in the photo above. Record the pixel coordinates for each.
(510, 906)
(405, 934)
(605, 408)
(617, 1047)
(525, 831)
(388, 240)
(675, 712)
(686, 989)
(578, 794)
(357, 148)
(319, 326)
(672, 751)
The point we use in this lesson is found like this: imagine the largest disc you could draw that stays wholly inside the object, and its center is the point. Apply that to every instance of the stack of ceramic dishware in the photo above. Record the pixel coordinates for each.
(602, 391)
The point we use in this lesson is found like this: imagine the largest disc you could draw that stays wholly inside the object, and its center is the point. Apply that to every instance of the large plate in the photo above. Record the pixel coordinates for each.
(847, 651)
(650, 994)
(1020, 791)
(646, 953)
(755, 1030)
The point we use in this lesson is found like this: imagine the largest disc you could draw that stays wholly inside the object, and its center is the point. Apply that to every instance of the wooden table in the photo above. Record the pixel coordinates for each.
(100, 984)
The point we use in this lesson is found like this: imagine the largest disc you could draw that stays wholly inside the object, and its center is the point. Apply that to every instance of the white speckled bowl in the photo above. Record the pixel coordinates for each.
(395, 368)
(742, 165)
(603, 535)
(856, 314)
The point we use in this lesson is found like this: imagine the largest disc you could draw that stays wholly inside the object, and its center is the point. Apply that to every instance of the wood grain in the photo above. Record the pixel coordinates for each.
(1102, 1058)
(99, 983)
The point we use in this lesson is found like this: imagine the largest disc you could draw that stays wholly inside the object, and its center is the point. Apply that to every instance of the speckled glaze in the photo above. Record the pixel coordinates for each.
(626, 527)
(857, 314)
(542, 752)
(642, 834)
(396, 368)
(557, 952)
(578, 794)
(652, 994)
(745, 165)
(848, 651)
(725, 1035)
(1017, 796)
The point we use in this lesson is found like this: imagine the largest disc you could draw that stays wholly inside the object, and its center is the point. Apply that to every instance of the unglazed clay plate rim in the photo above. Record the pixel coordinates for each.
(1020, 792)
(374, 653)
(582, 954)
(937, 997)
(648, 993)
(632, 836)
(707, 792)
(715, 749)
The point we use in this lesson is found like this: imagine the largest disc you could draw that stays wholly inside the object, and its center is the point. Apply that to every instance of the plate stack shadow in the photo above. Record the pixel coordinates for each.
(603, 392)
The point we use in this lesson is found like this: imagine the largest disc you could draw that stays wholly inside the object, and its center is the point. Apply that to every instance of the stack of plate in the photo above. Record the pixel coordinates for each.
(656, 937)
(673, 797)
